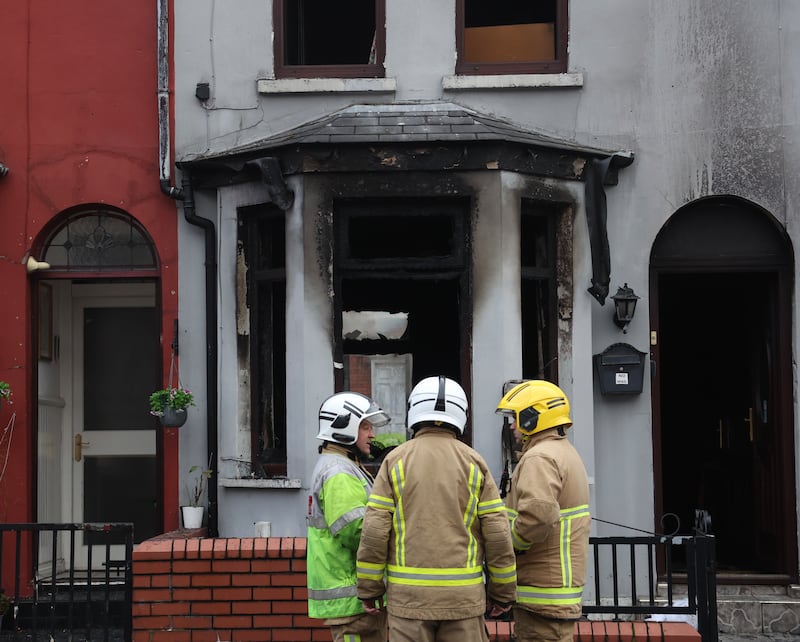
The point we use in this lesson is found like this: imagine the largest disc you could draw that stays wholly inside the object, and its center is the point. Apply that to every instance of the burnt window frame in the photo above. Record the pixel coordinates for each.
(266, 286)
(555, 66)
(367, 70)
(531, 277)
(456, 267)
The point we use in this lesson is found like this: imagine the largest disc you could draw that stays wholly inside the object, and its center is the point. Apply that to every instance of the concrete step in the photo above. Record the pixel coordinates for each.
(749, 611)
(759, 612)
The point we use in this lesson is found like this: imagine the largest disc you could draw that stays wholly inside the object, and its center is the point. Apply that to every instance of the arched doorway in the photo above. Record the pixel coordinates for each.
(721, 273)
(98, 329)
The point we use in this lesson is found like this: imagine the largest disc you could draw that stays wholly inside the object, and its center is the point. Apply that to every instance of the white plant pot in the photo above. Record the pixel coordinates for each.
(192, 516)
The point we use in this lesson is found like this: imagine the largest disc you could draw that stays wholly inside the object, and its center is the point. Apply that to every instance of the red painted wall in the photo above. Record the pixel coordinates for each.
(78, 125)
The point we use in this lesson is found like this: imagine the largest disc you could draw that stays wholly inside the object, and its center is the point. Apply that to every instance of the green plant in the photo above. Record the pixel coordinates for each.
(5, 602)
(198, 483)
(5, 390)
(178, 398)
(388, 439)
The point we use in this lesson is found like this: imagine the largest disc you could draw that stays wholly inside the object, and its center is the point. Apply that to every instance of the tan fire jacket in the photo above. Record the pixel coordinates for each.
(548, 507)
(433, 518)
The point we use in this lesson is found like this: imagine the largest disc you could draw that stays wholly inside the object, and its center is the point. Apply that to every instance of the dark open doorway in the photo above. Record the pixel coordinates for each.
(723, 422)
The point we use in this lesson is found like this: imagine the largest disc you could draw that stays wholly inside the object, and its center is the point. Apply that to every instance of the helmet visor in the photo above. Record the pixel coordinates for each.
(376, 416)
(506, 412)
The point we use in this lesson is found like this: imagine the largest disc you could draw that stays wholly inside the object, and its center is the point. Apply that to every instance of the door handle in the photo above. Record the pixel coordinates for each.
(749, 420)
(79, 445)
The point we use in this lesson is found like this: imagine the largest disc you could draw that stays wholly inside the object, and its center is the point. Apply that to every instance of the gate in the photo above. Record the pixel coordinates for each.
(622, 564)
(47, 599)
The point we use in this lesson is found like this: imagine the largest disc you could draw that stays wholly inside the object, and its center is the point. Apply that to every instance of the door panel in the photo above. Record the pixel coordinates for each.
(720, 451)
(116, 366)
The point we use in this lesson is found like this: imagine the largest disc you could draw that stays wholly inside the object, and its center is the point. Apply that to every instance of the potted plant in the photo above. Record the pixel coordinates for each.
(5, 392)
(193, 512)
(170, 404)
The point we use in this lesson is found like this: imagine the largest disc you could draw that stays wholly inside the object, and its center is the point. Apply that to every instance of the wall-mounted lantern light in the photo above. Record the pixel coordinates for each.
(624, 306)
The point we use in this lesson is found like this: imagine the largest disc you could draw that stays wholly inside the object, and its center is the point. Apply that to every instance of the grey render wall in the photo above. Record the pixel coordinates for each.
(706, 93)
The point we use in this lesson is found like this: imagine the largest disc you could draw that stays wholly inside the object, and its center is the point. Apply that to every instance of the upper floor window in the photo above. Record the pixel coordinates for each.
(320, 39)
(511, 37)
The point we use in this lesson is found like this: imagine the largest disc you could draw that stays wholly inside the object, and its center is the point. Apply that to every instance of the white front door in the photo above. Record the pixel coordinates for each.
(115, 367)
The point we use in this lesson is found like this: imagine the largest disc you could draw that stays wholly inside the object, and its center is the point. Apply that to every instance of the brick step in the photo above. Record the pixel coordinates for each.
(607, 631)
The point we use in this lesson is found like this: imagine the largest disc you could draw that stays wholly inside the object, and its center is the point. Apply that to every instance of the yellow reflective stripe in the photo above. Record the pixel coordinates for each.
(492, 506)
(398, 482)
(576, 511)
(370, 571)
(566, 559)
(565, 535)
(383, 503)
(503, 574)
(352, 637)
(412, 576)
(475, 481)
(539, 595)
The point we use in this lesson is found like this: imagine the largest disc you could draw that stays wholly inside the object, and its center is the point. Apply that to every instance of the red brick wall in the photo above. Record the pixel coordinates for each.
(231, 590)
(360, 372)
(254, 590)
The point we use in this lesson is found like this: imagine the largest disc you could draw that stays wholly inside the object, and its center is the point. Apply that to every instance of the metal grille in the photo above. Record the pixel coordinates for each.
(50, 596)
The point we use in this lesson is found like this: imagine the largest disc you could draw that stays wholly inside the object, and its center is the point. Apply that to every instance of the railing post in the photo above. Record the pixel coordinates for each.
(704, 561)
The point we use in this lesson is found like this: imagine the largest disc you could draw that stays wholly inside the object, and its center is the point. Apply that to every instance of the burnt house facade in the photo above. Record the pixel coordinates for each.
(429, 198)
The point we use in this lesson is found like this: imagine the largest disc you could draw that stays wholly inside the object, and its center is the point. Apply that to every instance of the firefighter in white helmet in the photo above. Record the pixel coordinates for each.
(548, 508)
(339, 490)
(434, 523)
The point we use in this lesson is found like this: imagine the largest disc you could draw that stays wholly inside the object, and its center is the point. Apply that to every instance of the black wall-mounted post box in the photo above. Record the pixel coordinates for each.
(620, 369)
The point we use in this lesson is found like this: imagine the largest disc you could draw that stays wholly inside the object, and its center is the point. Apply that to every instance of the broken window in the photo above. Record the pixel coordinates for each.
(262, 340)
(507, 36)
(538, 283)
(314, 38)
(401, 277)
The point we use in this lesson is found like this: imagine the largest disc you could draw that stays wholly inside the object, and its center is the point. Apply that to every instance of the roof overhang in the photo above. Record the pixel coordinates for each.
(439, 136)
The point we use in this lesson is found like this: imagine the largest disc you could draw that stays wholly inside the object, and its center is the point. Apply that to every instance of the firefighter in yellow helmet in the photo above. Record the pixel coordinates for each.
(548, 508)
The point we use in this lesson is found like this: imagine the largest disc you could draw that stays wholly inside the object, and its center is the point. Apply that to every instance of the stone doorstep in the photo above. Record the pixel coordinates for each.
(765, 591)
(755, 609)
(758, 615)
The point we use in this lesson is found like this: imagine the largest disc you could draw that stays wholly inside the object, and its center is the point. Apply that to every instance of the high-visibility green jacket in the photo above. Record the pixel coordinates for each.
(339, 492)
(436, 532)
(548, 508)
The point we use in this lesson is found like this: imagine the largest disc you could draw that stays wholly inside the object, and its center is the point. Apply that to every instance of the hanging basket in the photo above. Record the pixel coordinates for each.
(173, 418)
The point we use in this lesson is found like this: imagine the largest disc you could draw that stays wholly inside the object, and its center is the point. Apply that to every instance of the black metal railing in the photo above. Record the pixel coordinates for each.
(66, 582)
(628, 572)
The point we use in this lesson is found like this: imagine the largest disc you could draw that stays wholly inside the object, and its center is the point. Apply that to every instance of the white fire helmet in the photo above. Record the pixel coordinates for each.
(341, 414)
(438, 399)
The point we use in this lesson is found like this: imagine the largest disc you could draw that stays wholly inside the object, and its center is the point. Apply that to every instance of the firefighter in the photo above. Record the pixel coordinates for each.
(548, 509)
(434, 524)
(339, 491)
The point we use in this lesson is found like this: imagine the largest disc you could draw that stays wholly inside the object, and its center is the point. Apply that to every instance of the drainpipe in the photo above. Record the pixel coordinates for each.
(211, 340)
(186, 195)
(162, 11)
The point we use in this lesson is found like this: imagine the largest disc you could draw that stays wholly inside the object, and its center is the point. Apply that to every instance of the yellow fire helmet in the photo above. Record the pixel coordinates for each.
(536, 405)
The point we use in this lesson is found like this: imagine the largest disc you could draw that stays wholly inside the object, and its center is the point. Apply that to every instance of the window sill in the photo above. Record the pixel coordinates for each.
(280, 482)
(325, 85)
(513, 81)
